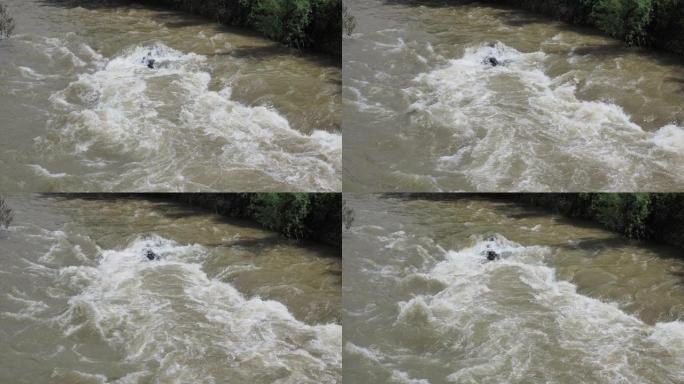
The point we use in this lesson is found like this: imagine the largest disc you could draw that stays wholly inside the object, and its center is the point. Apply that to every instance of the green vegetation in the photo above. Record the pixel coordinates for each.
(644, 216)
(298, 216)
(6, 214)
(6, 22)
(638, 22)
(303, 24)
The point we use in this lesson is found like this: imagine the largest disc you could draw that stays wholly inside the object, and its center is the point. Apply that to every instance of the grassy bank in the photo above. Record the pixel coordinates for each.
(304, 24)
(299, 216)
(657, 23)
(644, 216)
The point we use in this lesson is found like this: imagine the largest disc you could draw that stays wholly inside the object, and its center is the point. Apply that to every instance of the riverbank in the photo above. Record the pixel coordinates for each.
(651, 23)
(644, 216)
(304, 24)
(653, 217)
(298, 216)
(301, 217)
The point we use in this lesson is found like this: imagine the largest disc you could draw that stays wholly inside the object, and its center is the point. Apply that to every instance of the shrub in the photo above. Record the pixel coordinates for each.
(625, 19)
(282, 212)
(282, 20)
(6, 214)
(624, 212)
(6, 22)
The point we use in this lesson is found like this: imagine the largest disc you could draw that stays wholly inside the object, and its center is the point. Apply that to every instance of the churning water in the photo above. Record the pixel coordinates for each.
(567, 302)
(565, 109)
(225, 302)
(221, 110)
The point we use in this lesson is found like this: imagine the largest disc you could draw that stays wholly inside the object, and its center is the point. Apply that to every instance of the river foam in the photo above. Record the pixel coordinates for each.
(163, 124)
(551, 314)
(166, 320)
(514, 124)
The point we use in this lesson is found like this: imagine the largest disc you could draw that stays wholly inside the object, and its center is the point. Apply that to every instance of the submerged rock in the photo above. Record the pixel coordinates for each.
(148, 60)
(151, 255)
(491, 60)
(492, 255)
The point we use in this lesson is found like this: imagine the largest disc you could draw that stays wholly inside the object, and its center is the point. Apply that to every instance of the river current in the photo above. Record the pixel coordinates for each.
(222, 109)
(567, 302)
(225, 302)
(567, 109)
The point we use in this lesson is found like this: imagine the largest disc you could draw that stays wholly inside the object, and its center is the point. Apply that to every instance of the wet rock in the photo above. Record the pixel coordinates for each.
(151, 255)
(148, 60)
(491, 60)
(492, 255)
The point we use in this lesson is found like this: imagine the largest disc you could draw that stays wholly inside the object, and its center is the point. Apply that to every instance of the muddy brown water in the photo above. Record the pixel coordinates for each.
(225, 302)
(568, 109)
(223, 110)
(568, 302)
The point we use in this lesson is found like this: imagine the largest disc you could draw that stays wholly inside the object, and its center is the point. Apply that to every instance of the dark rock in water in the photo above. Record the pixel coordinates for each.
(493, 61)
(491, 255)
(151, 255)
(150, 63)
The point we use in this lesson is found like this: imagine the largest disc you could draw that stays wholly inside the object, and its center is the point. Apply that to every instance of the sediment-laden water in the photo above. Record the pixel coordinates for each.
(224, 303)
(567, 302)
(222, 109)
(566, 109)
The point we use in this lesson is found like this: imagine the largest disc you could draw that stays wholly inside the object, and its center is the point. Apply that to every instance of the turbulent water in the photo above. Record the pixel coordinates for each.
(567, 302)
(222, 110)
(225, 302)
(566, 110)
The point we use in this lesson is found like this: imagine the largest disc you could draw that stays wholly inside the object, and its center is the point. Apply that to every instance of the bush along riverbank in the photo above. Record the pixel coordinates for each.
(644, 216)
(657, 23)
(298, 216)
(303, 24)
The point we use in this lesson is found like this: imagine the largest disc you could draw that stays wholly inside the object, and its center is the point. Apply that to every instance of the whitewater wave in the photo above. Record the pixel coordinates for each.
(514, 125)
(177, 325)
(549, 314)
(164, 124)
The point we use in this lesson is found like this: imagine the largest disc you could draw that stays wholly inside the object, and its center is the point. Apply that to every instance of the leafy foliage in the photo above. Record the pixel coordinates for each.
(282, 212)
(638, 22)
(6, 22)
(298, 23)
(648, 216)
(626, 19)
(282, 20)
(298, 216)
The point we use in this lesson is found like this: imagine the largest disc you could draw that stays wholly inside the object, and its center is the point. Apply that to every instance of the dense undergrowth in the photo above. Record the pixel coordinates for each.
(644, 216)
(299, 216)
(657, 23)
(303, 24)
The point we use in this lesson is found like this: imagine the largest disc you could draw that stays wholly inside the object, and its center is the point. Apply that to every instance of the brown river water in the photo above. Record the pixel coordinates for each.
(225, 303)
(569, 109)
(223, 109)
(567, 303)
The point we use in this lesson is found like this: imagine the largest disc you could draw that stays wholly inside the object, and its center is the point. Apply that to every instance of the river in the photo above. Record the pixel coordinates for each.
(226, 302)
(223, 109)
(567, 303)
(568, 109)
